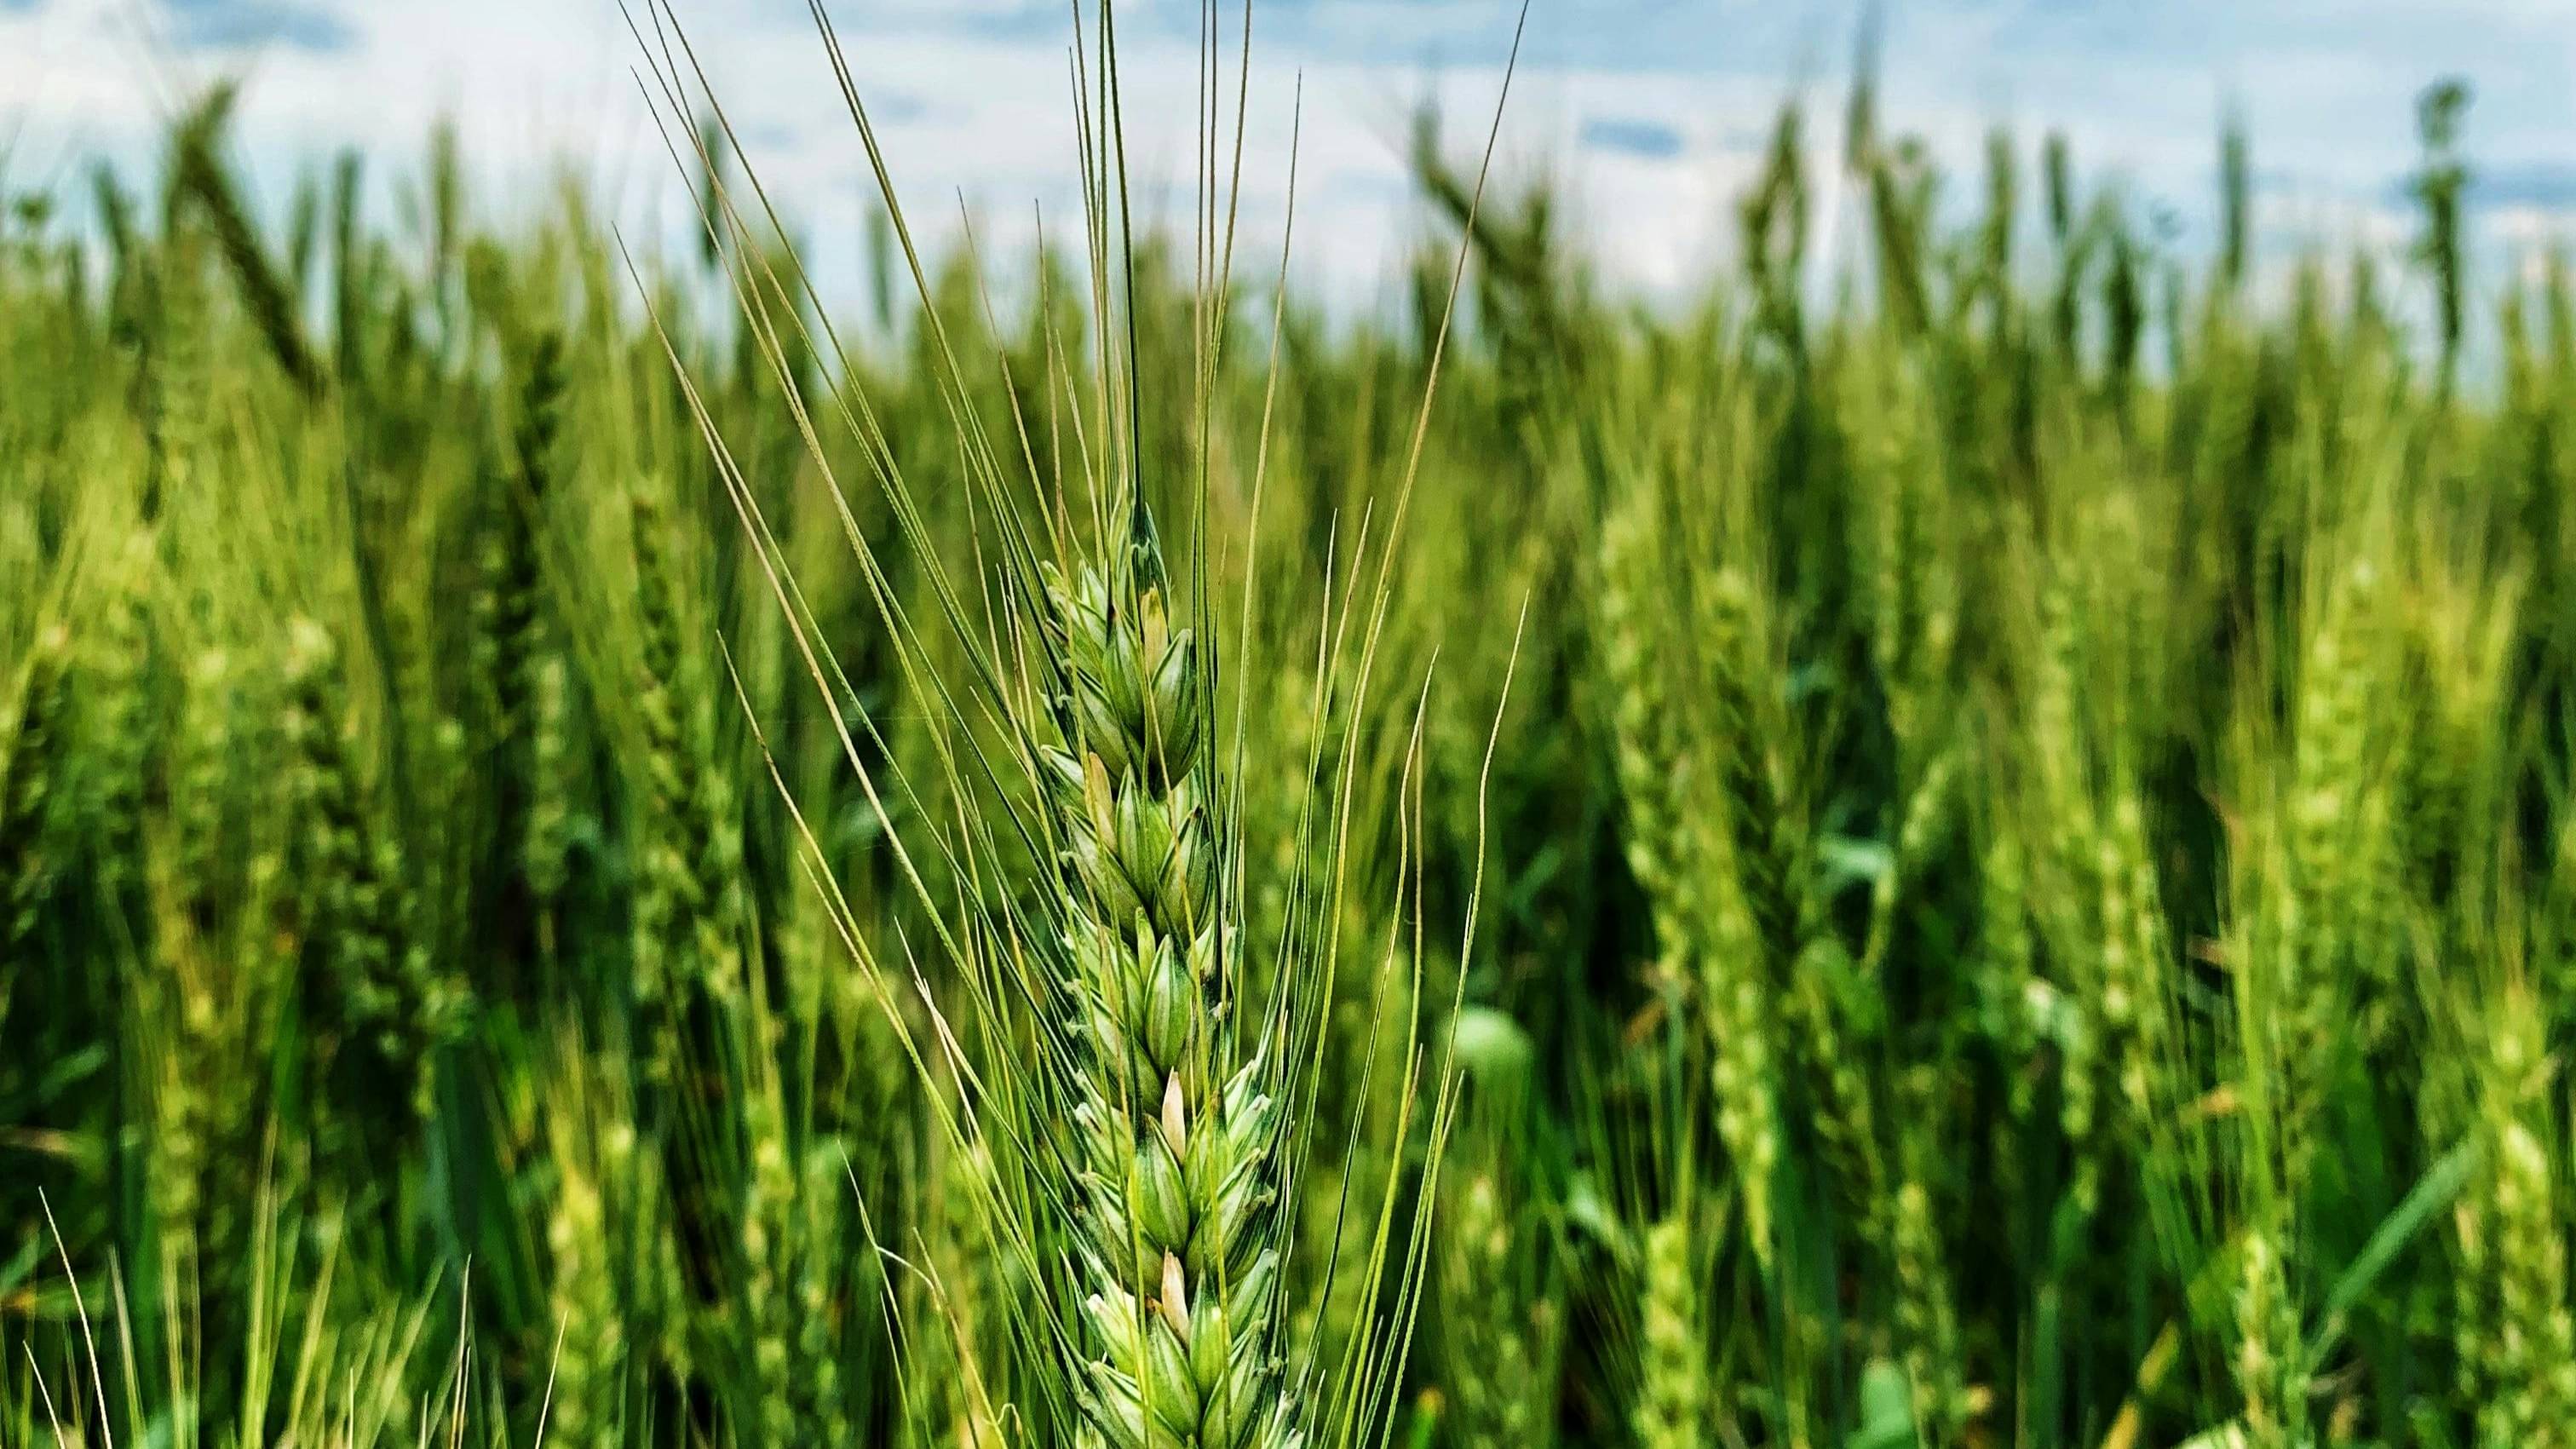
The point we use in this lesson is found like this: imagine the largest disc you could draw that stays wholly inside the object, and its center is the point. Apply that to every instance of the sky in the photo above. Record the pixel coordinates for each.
(1649, 113)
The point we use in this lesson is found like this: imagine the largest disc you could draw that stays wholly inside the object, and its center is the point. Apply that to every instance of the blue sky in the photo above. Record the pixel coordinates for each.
(1649, 111)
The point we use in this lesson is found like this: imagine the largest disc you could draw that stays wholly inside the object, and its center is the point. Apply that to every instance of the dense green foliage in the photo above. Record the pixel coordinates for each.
(1994, 858)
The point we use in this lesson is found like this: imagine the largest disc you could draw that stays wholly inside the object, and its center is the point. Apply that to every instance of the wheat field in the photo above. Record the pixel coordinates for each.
(1970, 846)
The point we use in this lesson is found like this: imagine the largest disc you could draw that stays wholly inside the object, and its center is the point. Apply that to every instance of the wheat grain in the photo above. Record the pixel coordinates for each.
(1175, 1138)
(1672, 1406)
(27, 866)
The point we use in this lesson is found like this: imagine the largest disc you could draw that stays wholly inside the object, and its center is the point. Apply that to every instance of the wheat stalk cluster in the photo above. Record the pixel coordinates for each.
(1959, 836)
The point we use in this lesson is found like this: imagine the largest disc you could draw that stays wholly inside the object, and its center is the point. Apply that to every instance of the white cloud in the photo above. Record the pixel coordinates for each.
(972, 97)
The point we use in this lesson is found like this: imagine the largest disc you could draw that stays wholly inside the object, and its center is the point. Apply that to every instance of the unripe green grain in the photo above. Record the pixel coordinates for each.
(2007, 963)
(1687, 864)
(819, 1312)
(268, 295)
(2516, 1339)
(28, 841)
(1763, 863)
(2334, 781)
(587, 1315)
(2133, 968)
(689, 906)
(365, 972)
(201, 783)
(1644, 748)
(1672, 1408)
(545, 848)
(1926, 1319)
(1746, 764)
(121, 725)
(519, 671)
(2531, 1370)
(1845, 1118)
(584, 1304)
(769, 1241)
(1178, 1237)
(2267, 1358)
(1501, 1352)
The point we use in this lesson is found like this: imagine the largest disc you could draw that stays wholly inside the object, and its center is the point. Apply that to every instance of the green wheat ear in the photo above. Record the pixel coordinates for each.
(202, 178)
(27, 766)
(372, 976)
(1175, 1136)
(1672, 1408)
